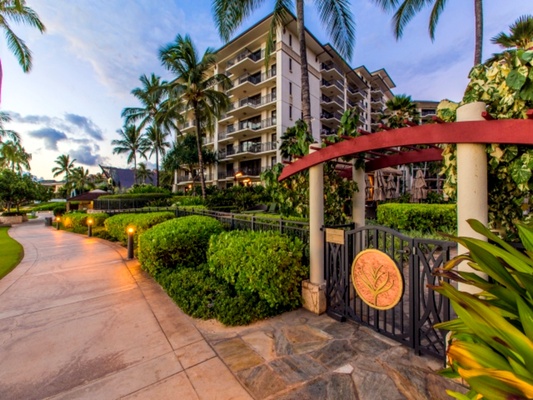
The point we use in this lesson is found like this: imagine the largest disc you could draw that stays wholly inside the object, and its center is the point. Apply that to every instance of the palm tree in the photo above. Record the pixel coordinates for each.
(409, 8)
(131, 142)
(521, 34)
(65, 166)
(81, 179)
(400, 109)
(4, 117)
(334, 14)
(150, 95)
(196, 87)
(155, 142)
(143, 173)
(14, 156)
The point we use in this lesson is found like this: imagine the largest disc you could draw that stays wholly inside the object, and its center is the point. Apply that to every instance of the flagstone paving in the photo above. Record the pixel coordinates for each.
(78, 320)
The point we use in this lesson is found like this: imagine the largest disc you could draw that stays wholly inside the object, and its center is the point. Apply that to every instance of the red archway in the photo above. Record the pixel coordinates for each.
(381, 146)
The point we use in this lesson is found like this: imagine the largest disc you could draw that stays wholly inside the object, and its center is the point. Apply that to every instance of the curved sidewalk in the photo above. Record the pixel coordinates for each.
(77, 320)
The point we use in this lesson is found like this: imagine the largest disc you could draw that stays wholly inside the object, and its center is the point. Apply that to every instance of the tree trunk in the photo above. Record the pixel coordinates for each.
(134, 169)
(478, 54)
(157, 167)
(199, 148)
(306, 97)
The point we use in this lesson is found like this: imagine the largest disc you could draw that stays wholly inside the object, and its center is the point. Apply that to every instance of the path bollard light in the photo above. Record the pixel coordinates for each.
(90, 227)
(58, 219)
(130, 231)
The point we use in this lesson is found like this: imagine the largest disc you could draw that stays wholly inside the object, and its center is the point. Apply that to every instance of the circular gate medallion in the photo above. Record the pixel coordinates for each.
(376, 279)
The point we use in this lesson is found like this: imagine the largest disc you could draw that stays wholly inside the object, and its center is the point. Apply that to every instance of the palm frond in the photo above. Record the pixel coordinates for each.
(337, 17)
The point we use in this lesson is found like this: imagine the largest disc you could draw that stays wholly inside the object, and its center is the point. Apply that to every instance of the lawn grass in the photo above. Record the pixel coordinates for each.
(11, 252)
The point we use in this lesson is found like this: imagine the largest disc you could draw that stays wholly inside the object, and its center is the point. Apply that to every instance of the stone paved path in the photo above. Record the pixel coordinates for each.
(79, 321)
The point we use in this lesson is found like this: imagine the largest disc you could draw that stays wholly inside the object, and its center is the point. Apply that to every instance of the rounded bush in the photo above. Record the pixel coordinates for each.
(266, 264)
(116, 225)
(181, 242)
(60, 210)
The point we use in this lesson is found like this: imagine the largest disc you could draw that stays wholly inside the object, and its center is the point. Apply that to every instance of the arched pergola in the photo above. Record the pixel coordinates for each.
(382, 146)
(474, 129)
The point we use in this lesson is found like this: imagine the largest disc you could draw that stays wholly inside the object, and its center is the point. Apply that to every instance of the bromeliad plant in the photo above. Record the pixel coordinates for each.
(491, 341)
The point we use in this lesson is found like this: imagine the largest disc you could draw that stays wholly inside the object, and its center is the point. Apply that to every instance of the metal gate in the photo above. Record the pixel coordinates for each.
(411, 321)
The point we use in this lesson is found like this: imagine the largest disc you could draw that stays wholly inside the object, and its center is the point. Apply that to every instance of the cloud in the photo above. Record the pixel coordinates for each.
(50, 137)
(86, 125)
(84, 155)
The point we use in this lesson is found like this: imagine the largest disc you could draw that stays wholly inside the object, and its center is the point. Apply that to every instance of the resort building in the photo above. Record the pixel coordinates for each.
(266, 100)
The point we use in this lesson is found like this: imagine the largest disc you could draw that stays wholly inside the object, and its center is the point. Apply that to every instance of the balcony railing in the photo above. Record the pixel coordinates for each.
(246, 54)
(328, 115)
(255, 78)
(187, 124)
(194, 178)
(336, 99)
(254, 126)
(254, 101)
(329, 66)
(247, 147)
(332, 82)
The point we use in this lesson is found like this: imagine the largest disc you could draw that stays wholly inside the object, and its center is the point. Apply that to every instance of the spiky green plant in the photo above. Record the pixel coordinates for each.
(491, 341)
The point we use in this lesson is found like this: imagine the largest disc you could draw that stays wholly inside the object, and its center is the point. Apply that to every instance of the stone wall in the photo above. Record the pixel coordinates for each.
(16, 219)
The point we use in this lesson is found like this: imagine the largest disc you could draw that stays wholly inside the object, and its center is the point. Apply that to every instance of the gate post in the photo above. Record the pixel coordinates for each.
(472, 197)
(314, 290)
(359, 198)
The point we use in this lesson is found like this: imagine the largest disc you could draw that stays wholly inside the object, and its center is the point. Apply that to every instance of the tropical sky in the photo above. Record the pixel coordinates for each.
(94, 52)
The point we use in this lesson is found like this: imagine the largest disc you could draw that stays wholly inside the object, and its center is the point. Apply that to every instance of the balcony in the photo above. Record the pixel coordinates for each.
(249, 105)
(187, 126)
(252, 82)
(332, 87)
(189, 178)
(245, 60)
(333, 71)
(377, 104)
(331, 104)
(355, 94)
(330, 120)
(248, 148)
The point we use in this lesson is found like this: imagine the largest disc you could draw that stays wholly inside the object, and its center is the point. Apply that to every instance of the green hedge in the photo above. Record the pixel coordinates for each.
(267, 264)
(181, 242)
(77, 222)
(418, 217)
(133, 200)
(116, 225)
(181, 201)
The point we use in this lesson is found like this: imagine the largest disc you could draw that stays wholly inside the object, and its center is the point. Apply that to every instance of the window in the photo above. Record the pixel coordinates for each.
(290, 113)
(290, 40)
(290, 64)
(290, 88)
(273, 161)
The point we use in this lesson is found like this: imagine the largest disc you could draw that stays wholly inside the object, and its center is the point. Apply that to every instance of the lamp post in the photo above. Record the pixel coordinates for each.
(130, 231)
(90, 227)
(58, 219)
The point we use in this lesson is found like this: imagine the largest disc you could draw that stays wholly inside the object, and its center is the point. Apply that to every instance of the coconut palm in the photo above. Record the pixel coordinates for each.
(521, 34)
(64, 166)
(131, 142)
(143, 173)
(81, 179)
(150, 95)
(334, 14)
(14, 136)
(195, 86)
(155, 141)
(14, 156)
(17, 11)
(405, 10)
(400, 109)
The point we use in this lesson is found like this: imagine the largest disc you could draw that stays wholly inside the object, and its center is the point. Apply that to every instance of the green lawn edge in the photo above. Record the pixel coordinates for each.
(11, 252)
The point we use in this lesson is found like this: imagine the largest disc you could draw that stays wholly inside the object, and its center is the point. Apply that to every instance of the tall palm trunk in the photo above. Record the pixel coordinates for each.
(157, 167)
(199, 148)
(304, 66)
(478, 10)
(134, 169)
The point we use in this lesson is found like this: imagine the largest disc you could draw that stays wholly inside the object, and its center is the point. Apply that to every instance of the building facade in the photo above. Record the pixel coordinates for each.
(266, 100)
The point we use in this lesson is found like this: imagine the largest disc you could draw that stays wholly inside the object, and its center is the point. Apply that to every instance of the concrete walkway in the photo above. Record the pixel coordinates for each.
(79, 321)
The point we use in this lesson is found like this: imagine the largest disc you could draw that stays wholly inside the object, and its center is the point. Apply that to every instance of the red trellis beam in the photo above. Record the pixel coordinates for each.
(510, 131)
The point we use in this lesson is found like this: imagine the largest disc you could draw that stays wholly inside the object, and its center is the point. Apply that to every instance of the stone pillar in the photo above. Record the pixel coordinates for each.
(359, 198)
(175, 184)
(472, 197)
(313, 291)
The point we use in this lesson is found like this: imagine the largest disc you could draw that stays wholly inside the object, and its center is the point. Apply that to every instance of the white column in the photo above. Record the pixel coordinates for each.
(316, 221)
(359, 198)
(472, 197)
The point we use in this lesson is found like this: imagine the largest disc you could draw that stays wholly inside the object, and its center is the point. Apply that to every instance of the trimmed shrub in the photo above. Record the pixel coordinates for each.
(181, 201)
(59, 210)
(135, 200)
(418, 217)
(77, 222)
(266, 264)
(181, 242)
(116, 225)
(13, 213)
